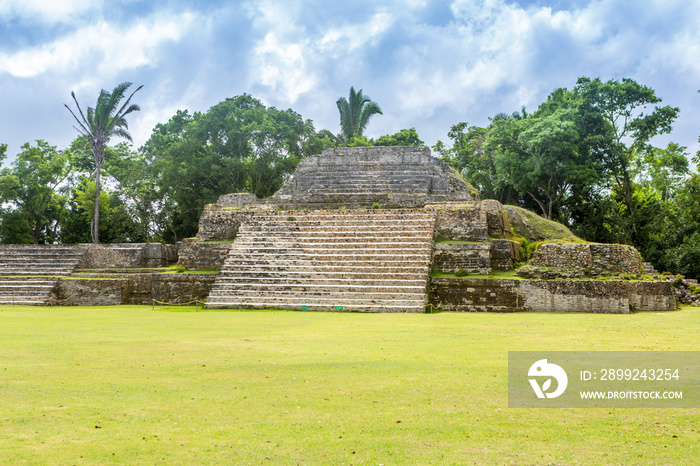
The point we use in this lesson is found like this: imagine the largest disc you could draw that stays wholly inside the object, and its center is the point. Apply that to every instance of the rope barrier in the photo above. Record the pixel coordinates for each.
(53, 300)
(433, 307)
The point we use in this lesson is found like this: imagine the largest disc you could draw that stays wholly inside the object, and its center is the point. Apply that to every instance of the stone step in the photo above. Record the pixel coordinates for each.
(326, 307)
(330, 239)
(373, 255)
(240, 281)
(223, 284)
(39, 273)
(369, 273)
(410, 250)
(311, 299)
(320, 270)
(23, 302)
(327, 263)
(323, 256)
(22, 287)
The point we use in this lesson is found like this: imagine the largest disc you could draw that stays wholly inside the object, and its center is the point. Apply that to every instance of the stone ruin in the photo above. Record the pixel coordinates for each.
(380, 229)
(318, 244)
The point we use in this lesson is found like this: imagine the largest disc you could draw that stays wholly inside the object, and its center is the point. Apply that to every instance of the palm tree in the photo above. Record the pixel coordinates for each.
(102, 122)
(355, 113)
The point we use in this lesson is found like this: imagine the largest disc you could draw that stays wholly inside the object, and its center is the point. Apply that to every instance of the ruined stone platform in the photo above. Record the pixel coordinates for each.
(392, 177)
(318, 245)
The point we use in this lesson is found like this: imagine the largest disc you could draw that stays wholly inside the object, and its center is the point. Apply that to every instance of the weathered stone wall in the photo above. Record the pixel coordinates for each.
(475, 294)
(196, 255)
(464, 223)
(393, 177)
(591, 259)
(651, 296)
(186, 287)
(502, 254)
(220, 222)
(575, 296)
(93, 292)
(496, 219)
(237, 199)
(597, 296)
(128, 255)
(450, 258)
(133, 289)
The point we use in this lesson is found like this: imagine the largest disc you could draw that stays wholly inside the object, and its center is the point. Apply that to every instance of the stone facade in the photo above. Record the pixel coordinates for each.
(473, 258)
(219, 223)
(475, 295)
(503, 253)
(461, 223)
(393, 177)
(590, 259)
(133, 289)
(505, 295)
(196, 255)
(134, 255)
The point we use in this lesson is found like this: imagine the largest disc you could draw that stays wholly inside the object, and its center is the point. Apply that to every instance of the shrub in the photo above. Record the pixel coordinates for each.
(376, 206)
(180, 269)
(290, 219)
(461, 273)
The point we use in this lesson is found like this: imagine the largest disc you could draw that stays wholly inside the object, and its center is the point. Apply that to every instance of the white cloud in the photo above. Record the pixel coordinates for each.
(47, 10)
(103, 46)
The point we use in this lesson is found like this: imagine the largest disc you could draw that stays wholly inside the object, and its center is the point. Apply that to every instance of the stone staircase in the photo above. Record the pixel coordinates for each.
(28, 273)
(362, 260)
(649, 269)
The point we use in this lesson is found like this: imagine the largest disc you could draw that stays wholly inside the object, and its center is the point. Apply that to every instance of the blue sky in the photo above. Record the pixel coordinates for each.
(428, 63)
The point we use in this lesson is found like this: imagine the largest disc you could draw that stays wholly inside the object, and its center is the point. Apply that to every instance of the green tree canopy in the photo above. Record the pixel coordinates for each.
(33, 187)
(239, 145)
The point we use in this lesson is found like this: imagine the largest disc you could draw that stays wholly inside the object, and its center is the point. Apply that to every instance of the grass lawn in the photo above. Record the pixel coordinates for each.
(131, 385)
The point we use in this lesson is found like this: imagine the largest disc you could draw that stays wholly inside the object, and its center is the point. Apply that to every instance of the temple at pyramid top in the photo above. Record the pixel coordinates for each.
(393, 177)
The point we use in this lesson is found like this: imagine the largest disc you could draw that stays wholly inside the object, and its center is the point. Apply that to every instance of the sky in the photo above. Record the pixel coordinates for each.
(429, 64)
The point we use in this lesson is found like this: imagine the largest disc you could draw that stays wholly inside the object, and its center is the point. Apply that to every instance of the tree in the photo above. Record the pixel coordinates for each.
(100, 124)
(32, 186)
(355, 113)
(405, 137)
(539, 156)
(239, 145)
(628, 129)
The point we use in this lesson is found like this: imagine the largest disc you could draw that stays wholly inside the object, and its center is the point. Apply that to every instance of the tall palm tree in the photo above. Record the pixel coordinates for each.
(355, 113)
(102, 122)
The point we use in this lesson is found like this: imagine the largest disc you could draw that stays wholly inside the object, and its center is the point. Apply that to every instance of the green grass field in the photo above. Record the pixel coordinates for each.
(133, 385)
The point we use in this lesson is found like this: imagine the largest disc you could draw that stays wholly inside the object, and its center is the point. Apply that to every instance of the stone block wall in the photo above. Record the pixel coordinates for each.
(591, 259)
(394, 177)
(466, 223)
(135, 255)
(187, 287)
(502, 254)
(496, 219)
(597, 296)
(651, 296)
(475, 295)
(196, 255)
(133, 289)
(237, 199)
(93, 292)
(575, 296)
(220, 223)
(450, 258)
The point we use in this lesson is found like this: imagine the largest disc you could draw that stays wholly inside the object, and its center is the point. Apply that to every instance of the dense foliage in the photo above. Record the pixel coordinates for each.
(584, 157)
